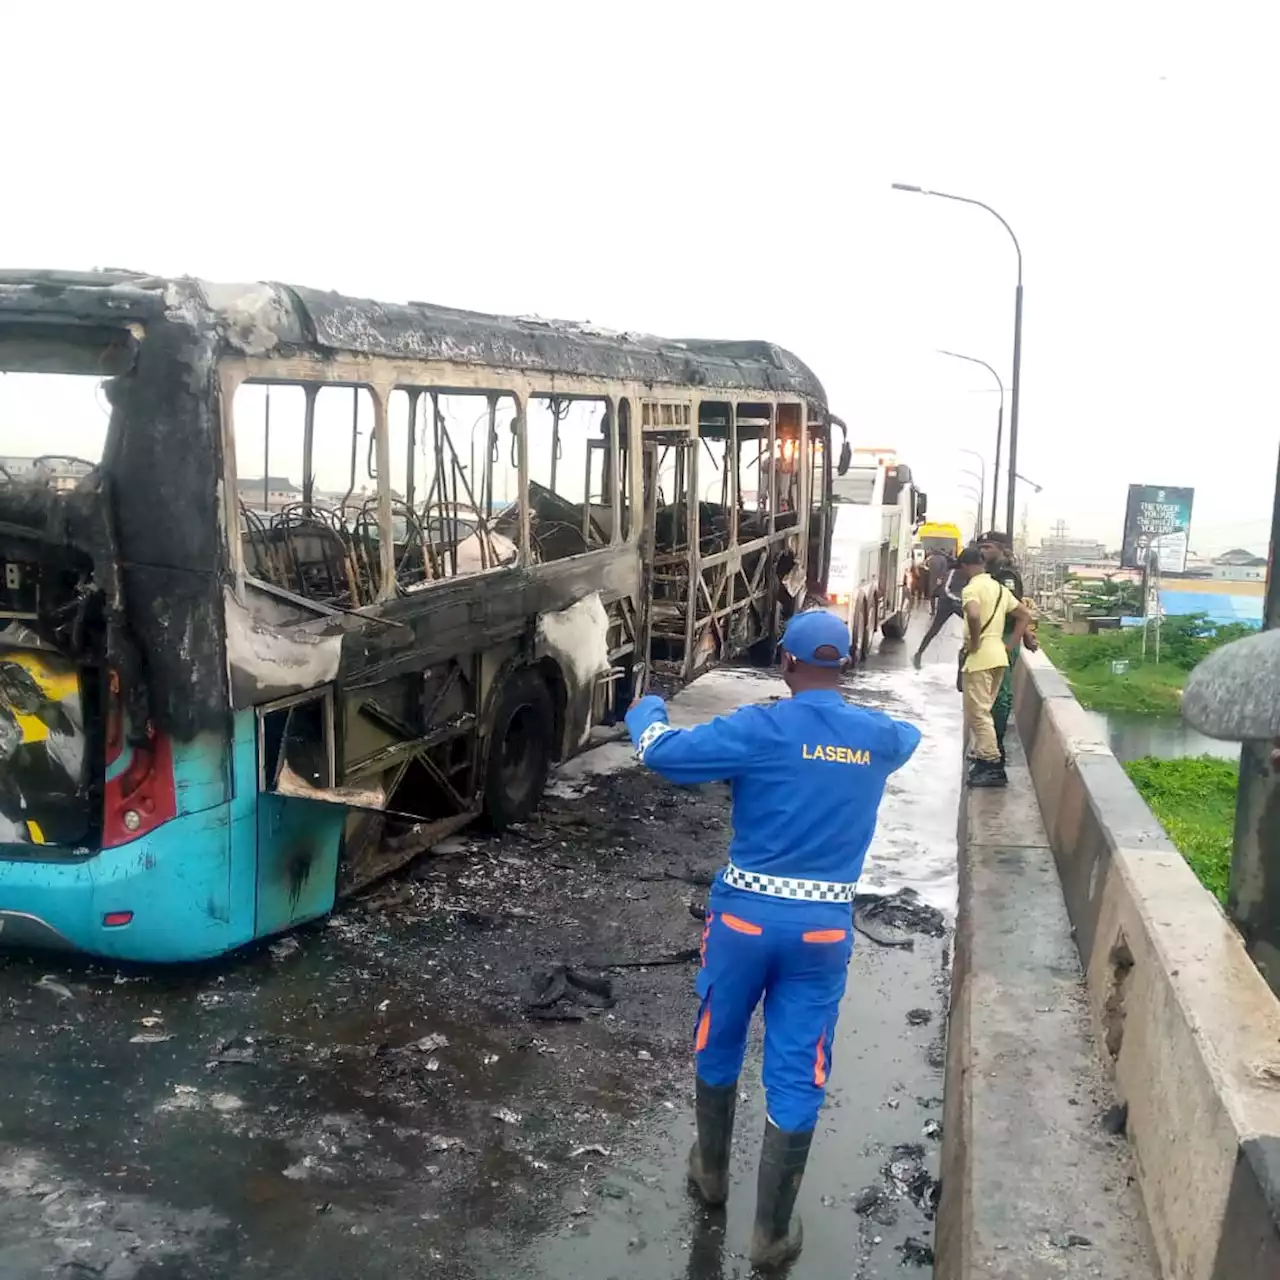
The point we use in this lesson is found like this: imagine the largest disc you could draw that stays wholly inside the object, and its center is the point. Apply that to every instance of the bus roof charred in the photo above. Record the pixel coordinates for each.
(258, 318)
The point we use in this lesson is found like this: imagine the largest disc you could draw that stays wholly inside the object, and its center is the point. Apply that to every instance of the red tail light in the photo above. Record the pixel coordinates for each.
(142, 795)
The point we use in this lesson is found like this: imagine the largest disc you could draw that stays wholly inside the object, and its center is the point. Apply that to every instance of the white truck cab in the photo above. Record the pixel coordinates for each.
(875, 512)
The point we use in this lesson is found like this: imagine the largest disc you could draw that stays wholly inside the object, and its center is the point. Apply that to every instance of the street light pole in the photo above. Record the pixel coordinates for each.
(977, 497)
(1017, 331)
(980, 478)
(995, 479)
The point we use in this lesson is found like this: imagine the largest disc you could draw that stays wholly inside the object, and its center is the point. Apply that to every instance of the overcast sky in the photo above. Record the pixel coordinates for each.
(723, 170)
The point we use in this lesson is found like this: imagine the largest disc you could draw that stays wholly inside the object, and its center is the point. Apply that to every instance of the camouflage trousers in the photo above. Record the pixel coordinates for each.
(1003, 707)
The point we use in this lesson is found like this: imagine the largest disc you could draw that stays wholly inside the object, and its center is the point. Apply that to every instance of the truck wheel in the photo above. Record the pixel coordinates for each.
(894, 627)
(520, 750)
(864, 650)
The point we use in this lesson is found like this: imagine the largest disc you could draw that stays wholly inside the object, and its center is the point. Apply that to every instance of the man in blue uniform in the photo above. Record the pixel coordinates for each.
(807, 775)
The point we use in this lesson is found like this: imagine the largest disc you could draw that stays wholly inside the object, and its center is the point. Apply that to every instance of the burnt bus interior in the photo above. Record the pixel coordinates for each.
(455, 509)
(436, 715)
(739, 506)
(82, 605)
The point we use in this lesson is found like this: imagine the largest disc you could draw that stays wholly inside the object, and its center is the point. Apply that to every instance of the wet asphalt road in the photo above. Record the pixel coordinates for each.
(371, 1095)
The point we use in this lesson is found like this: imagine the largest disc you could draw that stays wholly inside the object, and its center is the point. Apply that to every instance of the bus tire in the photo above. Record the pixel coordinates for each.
(864, 646)
(894, 627)
(520, 750)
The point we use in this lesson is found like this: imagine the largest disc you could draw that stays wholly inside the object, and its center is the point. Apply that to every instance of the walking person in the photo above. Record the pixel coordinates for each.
(920, 580)
(987, 605)
(997, 554)
(807, 776)
(946, 604)
(938, 566)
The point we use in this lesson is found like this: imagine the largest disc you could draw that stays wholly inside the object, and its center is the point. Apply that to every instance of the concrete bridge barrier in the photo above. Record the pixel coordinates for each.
(1188, 1028)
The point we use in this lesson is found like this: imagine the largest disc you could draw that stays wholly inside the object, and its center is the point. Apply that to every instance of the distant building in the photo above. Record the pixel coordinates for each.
(61, 474)
(1239, 556)
(1239, 565)
(277, 492)
(1075, 551)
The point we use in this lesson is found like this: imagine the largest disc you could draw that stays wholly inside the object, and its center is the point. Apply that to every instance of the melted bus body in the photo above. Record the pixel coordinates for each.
(339, 577)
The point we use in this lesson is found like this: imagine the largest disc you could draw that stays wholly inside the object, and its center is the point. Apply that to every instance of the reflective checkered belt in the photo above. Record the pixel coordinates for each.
(784, 887)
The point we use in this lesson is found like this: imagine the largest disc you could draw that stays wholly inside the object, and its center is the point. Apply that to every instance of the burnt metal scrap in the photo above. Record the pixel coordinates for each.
(559, 993)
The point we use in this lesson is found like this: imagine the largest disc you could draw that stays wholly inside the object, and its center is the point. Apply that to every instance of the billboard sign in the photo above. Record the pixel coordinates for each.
(1157, 517)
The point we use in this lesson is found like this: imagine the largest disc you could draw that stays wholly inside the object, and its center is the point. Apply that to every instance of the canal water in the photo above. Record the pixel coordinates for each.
(1133, 736)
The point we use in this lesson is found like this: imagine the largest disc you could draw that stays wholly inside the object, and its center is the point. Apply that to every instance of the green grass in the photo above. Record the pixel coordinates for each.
(1146, 688)
(1195, 801)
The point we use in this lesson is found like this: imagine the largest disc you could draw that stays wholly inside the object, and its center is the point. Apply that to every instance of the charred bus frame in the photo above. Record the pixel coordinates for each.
(341, 646)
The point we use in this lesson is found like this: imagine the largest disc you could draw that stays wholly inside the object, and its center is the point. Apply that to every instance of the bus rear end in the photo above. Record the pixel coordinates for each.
(943, 537)
(115, 831)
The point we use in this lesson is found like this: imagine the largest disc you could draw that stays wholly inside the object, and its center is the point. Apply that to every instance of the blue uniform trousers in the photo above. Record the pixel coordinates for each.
(797, 959)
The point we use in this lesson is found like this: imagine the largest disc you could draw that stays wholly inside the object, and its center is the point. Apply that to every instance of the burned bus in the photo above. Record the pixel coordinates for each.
(295, 584)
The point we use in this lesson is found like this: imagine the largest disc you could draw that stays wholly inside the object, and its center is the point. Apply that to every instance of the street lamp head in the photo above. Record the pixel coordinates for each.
(903, 186)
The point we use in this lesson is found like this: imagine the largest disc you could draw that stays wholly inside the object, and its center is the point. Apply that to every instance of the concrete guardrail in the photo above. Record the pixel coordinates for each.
(1187, 1025)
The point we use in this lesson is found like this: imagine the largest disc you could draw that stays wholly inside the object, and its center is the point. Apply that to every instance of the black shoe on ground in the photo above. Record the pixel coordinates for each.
(987, 773)
(778, 1235)
(709, 1158)
(915, 661)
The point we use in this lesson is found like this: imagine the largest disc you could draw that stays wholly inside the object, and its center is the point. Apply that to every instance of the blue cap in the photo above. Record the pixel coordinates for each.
(812, 630)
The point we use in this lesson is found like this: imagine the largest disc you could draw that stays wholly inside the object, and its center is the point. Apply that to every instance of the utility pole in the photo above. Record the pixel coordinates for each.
(1060, 539)
(1253, 896)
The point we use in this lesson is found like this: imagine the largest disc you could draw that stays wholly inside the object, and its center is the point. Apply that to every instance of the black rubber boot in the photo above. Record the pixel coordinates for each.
(987, 773)
(778, 1235)
(709, 1156)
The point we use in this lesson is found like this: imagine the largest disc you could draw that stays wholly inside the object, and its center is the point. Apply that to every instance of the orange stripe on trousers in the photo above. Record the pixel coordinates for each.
(704, 1030)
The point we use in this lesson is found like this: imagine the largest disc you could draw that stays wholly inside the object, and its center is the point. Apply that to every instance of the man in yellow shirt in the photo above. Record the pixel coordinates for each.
(987, 603)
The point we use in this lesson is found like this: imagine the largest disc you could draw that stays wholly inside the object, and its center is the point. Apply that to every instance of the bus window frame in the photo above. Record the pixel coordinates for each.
(324, 694)
(381, 377)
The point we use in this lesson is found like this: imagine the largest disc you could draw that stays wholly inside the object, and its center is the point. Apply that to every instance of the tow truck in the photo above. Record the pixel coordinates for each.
(876, 509)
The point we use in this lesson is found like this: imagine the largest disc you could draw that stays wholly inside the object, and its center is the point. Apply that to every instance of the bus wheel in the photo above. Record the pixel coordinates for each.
(520, 750)
(864, 647)
(855, 639)
(894, 627)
